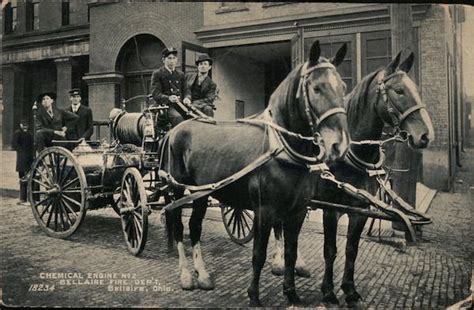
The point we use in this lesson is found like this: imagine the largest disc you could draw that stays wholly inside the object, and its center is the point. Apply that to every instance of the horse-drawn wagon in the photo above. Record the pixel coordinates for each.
(270, 169)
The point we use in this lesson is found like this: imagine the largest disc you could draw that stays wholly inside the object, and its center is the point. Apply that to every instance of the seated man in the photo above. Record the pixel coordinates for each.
(203, 88)
(51, 121)
(168, 85)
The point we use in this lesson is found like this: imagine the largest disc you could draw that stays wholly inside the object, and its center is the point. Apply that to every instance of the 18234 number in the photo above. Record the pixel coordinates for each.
(41, 288)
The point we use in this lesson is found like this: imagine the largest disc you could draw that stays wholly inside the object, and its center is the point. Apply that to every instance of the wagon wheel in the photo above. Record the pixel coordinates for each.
(57, 192)
(134, 210)
(238, 223)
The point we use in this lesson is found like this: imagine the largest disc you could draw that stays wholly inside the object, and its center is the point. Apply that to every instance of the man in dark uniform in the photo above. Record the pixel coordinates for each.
(22, 143)
(84, 127)
(51, 121)
(168, 85)
(203, 89)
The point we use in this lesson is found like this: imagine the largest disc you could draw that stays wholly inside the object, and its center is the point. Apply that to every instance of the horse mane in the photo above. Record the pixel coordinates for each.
(356, 103)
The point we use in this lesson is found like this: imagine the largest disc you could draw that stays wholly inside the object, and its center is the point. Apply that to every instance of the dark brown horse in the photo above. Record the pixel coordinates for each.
(304, 109)
(386, 96)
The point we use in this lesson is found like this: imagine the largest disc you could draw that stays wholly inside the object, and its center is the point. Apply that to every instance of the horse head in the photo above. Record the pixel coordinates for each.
(401, 105)
(314, 105)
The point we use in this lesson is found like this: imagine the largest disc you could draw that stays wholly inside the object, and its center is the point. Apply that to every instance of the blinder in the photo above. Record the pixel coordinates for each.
(397, 116)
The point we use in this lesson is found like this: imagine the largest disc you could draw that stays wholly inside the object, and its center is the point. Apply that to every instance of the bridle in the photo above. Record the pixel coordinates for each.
(308, 111)
(396, 115)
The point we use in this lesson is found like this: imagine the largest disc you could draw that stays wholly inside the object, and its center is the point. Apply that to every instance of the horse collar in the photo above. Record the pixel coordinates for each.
(362, 165)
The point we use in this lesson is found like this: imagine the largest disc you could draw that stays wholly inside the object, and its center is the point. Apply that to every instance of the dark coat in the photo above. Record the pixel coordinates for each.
(22, 143)
(84, 127)
(165, 84)
(206, 93)
(60, 118)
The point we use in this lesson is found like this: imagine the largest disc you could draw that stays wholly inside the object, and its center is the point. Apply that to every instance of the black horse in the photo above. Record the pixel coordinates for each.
(386, 96)
(305, 118)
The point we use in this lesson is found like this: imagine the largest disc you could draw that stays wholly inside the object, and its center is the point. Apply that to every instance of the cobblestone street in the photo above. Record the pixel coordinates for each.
(435, 273)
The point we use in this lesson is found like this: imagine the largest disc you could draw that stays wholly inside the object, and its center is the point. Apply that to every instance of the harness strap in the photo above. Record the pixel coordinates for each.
(410, 111)
(276, 127)
(206, 189)
(363, 165)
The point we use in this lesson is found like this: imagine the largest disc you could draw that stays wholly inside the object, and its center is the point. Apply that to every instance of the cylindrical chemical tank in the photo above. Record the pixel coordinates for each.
(128, 128)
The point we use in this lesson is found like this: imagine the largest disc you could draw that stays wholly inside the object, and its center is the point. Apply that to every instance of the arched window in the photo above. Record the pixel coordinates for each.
(137, 60)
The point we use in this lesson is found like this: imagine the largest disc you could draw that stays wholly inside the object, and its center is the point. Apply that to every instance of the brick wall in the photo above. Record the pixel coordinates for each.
(434, 72)
(233, 12)
(114, 24)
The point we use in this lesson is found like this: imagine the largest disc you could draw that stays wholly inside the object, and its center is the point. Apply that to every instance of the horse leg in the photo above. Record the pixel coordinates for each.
(184, 274)
(262, 228)
(356, 226)
(278, 262)
(169, 231)
(330, 252)
(291, 232)
(195, 228)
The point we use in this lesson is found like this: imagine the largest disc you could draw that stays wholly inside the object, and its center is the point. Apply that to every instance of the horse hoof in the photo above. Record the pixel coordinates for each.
(255, 303)
(353, 298)
(293, 298)
(278, 271)
(187, 281)
(302, 272)
(330, 298)
(205, 284)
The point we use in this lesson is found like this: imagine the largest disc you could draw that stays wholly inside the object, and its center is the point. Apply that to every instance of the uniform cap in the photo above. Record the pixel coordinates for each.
(169, 50)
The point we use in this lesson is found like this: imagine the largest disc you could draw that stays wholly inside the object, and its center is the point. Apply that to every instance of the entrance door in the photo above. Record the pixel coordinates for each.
(297, 48)
(190, 53)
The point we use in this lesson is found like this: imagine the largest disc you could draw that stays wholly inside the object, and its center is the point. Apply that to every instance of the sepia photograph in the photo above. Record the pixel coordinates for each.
(217, 154)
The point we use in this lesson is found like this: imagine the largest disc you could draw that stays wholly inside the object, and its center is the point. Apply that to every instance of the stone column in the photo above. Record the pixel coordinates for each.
(64, 78)
(104, 95)
(12, 76)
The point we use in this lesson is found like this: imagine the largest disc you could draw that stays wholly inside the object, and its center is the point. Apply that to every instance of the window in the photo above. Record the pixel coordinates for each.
(32, 15)
(376, 51)
(65, 10)
(329, 47)
(11, 16)
(227, 7)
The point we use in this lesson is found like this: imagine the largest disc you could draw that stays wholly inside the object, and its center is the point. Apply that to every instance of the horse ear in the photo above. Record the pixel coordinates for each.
(340, 55)
(314, 54)
(394, 64)
(408, 63)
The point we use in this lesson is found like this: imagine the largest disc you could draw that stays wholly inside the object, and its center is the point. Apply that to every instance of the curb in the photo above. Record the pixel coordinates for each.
(9, 192)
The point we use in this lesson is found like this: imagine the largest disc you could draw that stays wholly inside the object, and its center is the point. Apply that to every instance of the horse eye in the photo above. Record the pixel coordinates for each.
(399, 91)
(317, 89)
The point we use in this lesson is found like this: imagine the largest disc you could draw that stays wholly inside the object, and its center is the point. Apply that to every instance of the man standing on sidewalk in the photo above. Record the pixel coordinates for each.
(84, 127)
(22, 143)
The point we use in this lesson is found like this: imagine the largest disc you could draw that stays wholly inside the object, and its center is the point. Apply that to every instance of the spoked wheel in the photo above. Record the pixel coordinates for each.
(238, 224)
(134, 210)
(57, 192)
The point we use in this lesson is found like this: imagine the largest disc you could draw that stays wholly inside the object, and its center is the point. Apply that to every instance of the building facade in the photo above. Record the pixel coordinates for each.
(110, 49)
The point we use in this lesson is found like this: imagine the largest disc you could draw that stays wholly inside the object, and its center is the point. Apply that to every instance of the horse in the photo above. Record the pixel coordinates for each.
(386, 96)
(304, 124)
